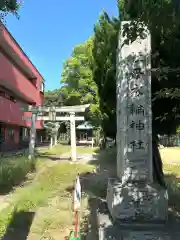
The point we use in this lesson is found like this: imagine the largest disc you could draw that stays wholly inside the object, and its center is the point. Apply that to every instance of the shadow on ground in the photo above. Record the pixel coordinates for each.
(19, 226)
(53, 157)
(95, 186)
(173, 186)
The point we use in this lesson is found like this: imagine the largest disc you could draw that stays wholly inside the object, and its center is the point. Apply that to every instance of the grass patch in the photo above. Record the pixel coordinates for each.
(56, 220)
(13, 171)
(60, 149)
(49, 197)
(106, 165)
(56, 150)
(95, 184)
(172, 177)
(86, 149)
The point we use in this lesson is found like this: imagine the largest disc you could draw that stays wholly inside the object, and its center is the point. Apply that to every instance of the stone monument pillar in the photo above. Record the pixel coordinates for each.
(133, 196)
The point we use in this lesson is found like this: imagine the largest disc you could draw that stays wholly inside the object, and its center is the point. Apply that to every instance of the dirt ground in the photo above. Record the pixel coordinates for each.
(170, 155)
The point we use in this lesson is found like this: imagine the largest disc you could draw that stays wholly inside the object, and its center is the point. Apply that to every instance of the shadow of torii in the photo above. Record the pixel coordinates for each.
(19, 226)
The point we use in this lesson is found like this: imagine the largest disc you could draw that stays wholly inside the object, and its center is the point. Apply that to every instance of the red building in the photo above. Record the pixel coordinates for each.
(20, 84)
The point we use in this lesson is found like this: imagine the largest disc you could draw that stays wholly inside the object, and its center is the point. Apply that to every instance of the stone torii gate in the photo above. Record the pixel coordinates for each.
(37, 114)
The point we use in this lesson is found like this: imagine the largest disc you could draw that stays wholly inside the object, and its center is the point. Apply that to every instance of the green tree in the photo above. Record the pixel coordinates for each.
(52, 131)
(163, 21)
(79, 86)
(9, 6)
(104, 70)
(178, 130)
(54, 98)
(162, 18)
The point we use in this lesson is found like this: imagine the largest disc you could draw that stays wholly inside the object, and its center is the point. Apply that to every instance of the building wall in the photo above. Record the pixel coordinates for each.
(12, 78)
(11, 141)
(13, 44)
(12, 113)
(20, 85)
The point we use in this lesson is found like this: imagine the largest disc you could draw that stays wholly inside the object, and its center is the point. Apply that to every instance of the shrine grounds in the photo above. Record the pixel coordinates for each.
(36, 196)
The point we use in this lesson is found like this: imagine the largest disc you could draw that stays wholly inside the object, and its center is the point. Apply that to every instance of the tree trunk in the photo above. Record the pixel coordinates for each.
(158, 174)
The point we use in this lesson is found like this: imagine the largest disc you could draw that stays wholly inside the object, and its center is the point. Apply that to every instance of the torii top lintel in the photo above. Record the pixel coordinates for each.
(77, 108)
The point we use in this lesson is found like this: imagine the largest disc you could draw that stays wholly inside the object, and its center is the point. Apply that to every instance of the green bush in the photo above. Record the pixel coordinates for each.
(13, 171)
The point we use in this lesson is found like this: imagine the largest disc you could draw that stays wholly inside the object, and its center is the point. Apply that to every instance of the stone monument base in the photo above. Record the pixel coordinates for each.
(135, 231)
(102, 227)
(137, 202)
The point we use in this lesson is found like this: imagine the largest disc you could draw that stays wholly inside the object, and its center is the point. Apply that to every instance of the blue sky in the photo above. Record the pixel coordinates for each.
(48, 32)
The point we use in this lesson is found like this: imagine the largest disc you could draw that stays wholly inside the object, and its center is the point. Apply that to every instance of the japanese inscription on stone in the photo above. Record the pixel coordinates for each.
(134, 109)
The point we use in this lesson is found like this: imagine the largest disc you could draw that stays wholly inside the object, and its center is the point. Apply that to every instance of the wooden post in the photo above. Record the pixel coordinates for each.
(92, 142)
(55, 140)
(51, 143)
(73, 136)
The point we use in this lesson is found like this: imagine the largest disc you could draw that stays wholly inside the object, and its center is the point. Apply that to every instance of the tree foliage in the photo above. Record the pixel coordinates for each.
(78, 86)
(104, 69)
(163, 21)
(51, 128)
(77, 76)
(54, 98)
(9, 6)
(89, 75)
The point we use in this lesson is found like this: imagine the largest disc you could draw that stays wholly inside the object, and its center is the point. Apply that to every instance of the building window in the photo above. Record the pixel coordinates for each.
(2, 133)
(7, 96)
(42, 86)
(12, 99)
(2, 94)
(11, 133)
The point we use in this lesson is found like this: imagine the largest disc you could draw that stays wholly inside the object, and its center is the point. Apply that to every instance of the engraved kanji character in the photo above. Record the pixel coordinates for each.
(140, 110)
(136, 73)
(140, 125)
(133, 145)
(140, 145)
(137, 90)
(131, 108)
(132, 124)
